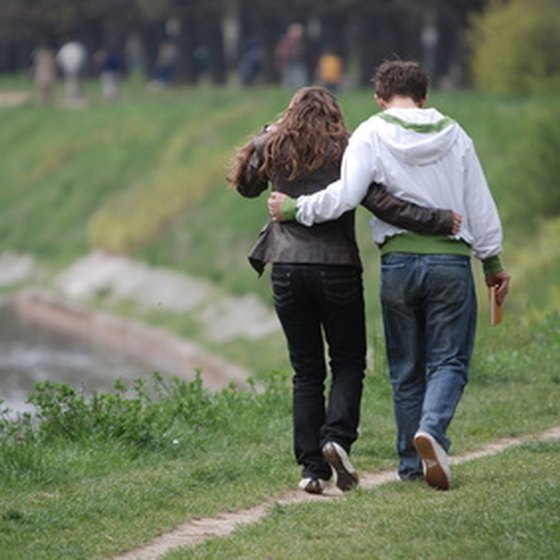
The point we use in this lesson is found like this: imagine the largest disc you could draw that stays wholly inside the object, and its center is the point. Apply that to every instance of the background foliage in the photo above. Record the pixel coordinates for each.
(514, 46)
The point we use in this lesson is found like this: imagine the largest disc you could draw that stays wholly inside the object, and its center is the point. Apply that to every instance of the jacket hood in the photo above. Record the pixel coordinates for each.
(416, 136)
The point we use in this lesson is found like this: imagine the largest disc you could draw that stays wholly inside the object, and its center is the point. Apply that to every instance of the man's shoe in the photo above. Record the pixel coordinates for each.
(437, 473)
(345, 474)
(409, 478)
(312, 485)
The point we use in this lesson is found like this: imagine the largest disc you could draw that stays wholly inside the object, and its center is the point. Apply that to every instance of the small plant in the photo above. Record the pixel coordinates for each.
(146, 416)
(142, 415)
(61, 410)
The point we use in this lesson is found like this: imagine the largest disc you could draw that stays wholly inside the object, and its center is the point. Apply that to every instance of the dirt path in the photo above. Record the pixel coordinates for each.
(13, 98)
(198, 530)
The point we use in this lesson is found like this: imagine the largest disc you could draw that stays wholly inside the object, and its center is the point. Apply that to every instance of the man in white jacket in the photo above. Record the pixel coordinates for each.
(427, 290)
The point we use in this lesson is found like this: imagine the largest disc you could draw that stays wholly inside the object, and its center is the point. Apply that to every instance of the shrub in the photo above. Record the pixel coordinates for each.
(534, 171)
(515, 46)
(144, 416)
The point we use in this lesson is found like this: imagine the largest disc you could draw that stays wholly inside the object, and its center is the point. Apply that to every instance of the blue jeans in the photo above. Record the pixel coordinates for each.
(429, 318)
(315, 303)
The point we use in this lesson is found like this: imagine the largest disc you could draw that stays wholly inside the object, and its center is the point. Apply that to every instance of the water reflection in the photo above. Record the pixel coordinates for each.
(29, 353)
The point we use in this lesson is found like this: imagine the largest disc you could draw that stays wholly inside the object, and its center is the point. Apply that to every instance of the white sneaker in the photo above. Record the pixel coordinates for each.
(337, 458)
(437, 473)
(312, 485)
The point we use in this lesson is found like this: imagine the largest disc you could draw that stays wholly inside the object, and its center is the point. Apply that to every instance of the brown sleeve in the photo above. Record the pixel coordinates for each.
(252, 183)
(407, 215)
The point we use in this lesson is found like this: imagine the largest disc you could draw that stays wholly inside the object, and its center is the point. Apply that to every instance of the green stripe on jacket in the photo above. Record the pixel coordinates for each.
(421, 128)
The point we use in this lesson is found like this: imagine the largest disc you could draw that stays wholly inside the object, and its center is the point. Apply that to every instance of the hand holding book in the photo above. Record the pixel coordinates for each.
(495, 307)
(498, 286)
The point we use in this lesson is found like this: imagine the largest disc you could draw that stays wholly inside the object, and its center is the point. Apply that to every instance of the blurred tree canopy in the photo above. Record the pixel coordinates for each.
(523, 37)
(213, 32)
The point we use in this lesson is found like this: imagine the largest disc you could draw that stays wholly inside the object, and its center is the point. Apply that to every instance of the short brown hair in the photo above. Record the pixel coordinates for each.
(398, 77)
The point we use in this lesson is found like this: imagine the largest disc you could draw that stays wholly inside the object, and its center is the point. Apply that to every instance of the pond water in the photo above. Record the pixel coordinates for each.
(30, 353)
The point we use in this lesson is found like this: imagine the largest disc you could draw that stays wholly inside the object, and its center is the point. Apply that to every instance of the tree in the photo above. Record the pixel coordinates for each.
(515, 46)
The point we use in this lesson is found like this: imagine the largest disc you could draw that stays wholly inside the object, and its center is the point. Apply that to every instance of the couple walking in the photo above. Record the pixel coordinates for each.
(319, 175)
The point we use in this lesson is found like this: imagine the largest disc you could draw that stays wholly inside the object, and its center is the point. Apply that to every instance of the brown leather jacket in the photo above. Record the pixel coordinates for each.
(333, 242)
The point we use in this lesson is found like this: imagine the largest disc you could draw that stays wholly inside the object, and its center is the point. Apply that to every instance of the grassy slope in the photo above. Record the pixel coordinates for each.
(146, 176)
(59, 169)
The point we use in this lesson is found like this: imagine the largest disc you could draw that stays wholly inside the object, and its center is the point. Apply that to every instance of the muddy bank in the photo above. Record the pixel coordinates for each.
(221, 317)
(168, 354)
(69, 308)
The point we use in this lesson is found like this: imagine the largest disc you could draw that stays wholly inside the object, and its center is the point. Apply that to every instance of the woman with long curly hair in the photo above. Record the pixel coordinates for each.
(317, 277)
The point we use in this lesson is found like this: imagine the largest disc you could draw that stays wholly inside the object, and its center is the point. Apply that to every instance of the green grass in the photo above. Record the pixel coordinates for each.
(502, 507)
(86, 491)
(98, 490)
(96, 485)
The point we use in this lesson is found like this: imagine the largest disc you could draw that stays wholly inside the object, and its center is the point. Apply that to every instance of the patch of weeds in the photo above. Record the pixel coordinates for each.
(140, 415)
(15, 516)
(169, 417)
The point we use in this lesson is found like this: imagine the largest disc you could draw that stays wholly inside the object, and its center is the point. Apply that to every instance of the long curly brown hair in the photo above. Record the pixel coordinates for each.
(309, 133)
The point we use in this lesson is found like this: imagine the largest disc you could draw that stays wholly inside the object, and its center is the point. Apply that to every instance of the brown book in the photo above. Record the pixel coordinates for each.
(495, 308)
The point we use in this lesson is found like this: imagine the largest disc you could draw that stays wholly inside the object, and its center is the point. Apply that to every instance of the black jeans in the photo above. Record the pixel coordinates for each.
(316, 303)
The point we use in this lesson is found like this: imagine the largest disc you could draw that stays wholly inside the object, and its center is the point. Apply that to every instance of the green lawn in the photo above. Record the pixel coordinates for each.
(504, 506)
(98, 482)
(145, 176)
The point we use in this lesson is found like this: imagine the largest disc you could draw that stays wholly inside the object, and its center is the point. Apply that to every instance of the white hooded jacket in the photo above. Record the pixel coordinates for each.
(421, 156)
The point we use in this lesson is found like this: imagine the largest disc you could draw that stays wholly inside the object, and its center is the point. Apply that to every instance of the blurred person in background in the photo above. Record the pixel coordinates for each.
(111, 69)
(44, 73)
(330, 69)
(135, 57)
(250, 61)
(290, 57)
(166, 64)
(72, 58)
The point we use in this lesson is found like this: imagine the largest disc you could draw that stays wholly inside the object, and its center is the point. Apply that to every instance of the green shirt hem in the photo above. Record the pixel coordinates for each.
(425, 244)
